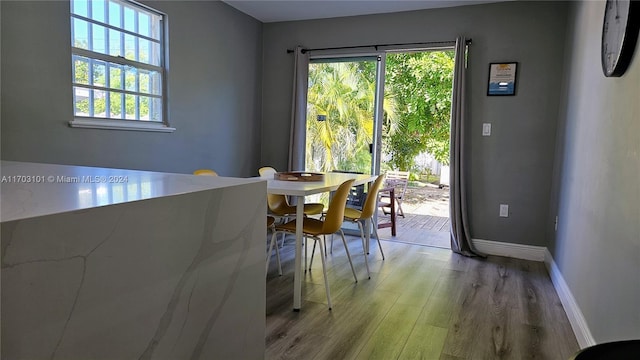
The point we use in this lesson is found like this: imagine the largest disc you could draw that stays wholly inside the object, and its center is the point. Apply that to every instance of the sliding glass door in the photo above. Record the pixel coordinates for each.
(342, 108)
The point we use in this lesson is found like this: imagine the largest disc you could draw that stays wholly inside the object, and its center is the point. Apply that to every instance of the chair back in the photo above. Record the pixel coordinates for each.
(335, 213)
(278, 204)
(369, 207)
(398, 180)
(208, 172)
(267, 172)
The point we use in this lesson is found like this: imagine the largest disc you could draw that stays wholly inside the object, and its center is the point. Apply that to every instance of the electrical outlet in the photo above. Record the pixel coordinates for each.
(504, 210)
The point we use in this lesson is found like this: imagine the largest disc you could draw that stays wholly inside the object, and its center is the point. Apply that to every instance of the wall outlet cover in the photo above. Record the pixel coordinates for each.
(504, 210)
(486, 129)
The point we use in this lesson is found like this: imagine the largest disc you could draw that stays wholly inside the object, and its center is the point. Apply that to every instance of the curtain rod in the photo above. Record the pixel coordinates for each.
(468, 42)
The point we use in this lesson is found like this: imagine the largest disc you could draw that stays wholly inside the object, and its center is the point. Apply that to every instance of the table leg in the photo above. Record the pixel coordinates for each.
(297, 277)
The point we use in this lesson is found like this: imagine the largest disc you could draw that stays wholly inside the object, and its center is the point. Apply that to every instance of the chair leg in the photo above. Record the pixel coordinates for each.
(364, 247)
(324, 238)
(393, 218)
(330, 247)
(271, 246)
(346, 248)
(324, 273)
(313, 251)
(400, 212)
(277, 254)
(283, 236)
(375, 230)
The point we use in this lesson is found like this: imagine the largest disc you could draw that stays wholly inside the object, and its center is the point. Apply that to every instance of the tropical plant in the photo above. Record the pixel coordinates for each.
(98, 76)
(417, 106)
(420, 84)
(343, 93)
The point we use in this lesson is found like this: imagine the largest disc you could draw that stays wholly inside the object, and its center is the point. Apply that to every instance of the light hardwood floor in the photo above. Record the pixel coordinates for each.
(420, 303)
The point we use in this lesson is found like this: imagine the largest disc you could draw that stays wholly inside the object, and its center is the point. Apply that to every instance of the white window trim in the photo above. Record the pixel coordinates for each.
(133, 125)
(137, 125)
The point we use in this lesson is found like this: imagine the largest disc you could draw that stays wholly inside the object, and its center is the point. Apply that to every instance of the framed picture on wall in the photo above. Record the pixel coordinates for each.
(502, 79)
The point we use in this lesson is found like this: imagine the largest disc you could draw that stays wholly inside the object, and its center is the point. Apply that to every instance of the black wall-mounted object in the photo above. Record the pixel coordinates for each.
(620, 29)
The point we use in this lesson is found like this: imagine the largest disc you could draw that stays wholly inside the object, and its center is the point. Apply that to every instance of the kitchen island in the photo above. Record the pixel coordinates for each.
(102, 263)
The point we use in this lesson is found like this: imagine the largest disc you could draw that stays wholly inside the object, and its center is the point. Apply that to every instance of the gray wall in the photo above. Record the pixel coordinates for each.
(214, 93)
(597, 183)
(595, 176)
(514, 165)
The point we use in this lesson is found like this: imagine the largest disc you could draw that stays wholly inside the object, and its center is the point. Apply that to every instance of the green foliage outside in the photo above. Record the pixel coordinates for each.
(81, 70)
(417, 107)
(344, 93)
(419, 84)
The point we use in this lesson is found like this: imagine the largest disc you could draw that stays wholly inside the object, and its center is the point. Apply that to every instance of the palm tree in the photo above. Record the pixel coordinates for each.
(344, 93)
(417, 106)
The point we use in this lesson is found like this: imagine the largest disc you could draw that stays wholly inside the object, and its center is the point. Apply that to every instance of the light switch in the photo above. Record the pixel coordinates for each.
(504, 210)
(486, 129)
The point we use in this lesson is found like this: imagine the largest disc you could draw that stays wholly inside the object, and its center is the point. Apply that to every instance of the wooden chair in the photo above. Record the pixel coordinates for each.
(313, 228)
(390, 204)
(367, 213)
(397, 180)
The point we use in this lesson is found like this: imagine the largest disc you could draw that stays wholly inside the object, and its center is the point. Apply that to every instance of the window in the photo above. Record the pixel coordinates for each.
(118, 65)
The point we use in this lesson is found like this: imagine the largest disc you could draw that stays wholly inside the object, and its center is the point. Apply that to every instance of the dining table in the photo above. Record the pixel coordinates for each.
(298, 190)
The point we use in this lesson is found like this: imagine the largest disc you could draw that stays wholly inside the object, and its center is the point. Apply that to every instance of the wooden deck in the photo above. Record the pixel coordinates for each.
(419, 229)
(425, 221)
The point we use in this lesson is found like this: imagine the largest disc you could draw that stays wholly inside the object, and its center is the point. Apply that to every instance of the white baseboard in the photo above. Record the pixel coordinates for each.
(541, 253)
(571, 308)
(518, 251)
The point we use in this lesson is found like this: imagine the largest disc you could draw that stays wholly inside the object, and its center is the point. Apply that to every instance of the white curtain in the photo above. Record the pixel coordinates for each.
(297, 140)
(460, 234)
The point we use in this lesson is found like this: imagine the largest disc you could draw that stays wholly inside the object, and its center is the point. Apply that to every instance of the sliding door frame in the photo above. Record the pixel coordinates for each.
(378, 112)
(381, 55)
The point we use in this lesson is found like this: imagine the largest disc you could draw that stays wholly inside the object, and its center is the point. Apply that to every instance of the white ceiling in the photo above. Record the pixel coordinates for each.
(288, 10)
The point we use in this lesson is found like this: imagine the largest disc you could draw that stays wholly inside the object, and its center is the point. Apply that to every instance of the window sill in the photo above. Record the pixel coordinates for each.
(120, 125)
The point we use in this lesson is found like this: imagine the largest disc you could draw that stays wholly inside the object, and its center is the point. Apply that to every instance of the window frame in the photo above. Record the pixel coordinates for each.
(107, 59)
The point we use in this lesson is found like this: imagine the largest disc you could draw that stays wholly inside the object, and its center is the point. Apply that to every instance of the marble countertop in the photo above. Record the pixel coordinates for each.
(33, 189)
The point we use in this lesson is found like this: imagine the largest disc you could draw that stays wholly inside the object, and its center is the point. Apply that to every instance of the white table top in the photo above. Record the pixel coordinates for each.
(34, 189)
(331, 182)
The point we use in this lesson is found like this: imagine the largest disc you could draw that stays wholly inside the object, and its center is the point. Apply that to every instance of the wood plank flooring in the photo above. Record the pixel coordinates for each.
(420, 303)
